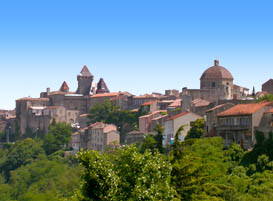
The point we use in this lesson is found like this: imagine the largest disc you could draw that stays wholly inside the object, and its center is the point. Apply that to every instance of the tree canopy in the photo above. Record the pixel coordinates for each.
(58, 136)
(197, 129)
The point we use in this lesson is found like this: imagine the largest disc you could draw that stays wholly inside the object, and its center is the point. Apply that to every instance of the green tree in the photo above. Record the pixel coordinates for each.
(159, 137)
(267, 97)
(197, 164)
(197, 129)
(149, 143)
(44, 180)
(58, 136)
(130, 175)
(5, 190)
(21, 153)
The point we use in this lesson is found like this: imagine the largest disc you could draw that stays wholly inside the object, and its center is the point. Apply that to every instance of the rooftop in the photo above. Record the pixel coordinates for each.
(244, 109)
(33, 99)
(106, 127)
(216, 72)
(85, 72)
(218, 106)
(178, 115)
(148, 103)
(105, 95)
(176, 103)
(200, 102)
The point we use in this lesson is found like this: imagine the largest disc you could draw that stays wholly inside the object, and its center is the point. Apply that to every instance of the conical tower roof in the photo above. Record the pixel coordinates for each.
(85, 72)
(64, 87)
(102, 87)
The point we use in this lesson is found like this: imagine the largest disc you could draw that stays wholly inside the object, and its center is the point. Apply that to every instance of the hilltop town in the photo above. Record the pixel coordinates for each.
(229, 111)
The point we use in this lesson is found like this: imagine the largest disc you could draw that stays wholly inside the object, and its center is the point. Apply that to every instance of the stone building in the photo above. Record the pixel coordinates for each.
(101, 135)
(266, 124)
(98, 136)
(172, 124)
(211, 118)
(268, 86)
(216, 84)
(134, 137)
(65, 105)
(145, 121)
(238, 123)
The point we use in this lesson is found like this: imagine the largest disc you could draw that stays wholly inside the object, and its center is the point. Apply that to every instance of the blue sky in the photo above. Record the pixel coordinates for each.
(136, 46)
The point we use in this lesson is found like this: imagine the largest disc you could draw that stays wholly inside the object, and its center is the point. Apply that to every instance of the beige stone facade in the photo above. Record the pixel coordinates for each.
(172, 124)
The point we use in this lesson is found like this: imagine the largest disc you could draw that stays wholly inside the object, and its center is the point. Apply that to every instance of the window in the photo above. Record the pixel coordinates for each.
(213, 84)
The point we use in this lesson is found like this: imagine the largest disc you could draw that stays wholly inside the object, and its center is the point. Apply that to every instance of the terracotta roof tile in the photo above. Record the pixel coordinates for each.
(105, 95)
(176, 103)
(148, 103)
(178, 115)
(244, 109)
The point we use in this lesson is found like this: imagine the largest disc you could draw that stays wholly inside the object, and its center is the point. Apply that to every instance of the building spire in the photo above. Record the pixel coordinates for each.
(102, 87)
(64, 87)
(85, 72)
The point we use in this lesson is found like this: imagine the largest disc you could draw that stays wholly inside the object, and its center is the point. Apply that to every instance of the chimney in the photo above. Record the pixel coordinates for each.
(47, 91)
(216, 62)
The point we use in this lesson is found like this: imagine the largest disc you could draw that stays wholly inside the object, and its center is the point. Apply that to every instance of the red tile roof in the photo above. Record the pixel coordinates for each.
(244, 109)
(64, 87)
(85, 72)
(148, 103)
(105, 95)
(176, 103)
(178, 115)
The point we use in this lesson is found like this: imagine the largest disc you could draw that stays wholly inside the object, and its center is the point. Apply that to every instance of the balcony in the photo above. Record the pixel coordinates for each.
(234, 127)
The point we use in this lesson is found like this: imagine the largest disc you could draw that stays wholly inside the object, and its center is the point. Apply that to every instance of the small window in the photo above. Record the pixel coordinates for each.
(227, 83)
(213, 84)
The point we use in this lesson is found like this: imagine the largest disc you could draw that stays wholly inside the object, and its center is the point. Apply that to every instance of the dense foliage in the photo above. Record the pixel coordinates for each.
(58, 136)
(197, 129)
(107, 112)
(128, 175)
(30, 172)
(266, 97)
(193, 170)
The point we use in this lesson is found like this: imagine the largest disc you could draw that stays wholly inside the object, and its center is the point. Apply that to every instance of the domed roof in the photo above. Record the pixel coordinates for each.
(216, 72)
